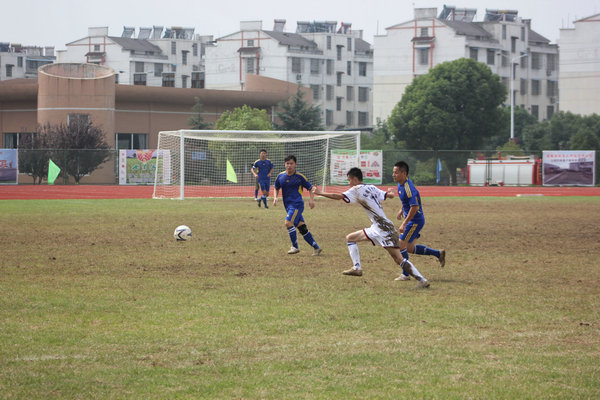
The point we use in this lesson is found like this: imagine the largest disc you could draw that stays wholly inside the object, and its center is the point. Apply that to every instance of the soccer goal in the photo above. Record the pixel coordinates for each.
(211, 163)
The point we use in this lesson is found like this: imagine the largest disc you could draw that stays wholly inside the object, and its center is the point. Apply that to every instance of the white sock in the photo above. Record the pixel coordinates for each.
(354, 255)
(411, 269)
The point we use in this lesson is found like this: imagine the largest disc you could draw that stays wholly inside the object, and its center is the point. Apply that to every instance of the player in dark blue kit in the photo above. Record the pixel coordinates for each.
(261, 170)
(291, 184)
(414, 219)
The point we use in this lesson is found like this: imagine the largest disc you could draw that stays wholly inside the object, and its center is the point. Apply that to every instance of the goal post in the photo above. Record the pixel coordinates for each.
(216, 163)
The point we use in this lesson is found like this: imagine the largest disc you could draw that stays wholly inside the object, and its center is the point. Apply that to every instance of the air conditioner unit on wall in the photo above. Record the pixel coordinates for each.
(298, 77)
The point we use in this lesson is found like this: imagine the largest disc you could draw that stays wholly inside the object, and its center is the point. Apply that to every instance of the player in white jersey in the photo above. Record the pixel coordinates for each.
(382, 230)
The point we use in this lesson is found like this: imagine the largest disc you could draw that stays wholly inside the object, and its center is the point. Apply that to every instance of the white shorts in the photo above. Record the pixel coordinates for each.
(384, 239)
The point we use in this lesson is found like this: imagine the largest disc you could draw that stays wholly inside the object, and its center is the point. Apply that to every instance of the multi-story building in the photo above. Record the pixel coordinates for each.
(171, 57)
(503, 41)
(335, 63)
(579, 77)
(18, 61)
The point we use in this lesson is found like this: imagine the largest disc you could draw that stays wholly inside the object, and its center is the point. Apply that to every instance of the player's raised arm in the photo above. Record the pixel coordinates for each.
(333, 196)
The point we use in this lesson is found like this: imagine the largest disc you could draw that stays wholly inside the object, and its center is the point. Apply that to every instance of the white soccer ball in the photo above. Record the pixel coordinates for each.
(182, 232)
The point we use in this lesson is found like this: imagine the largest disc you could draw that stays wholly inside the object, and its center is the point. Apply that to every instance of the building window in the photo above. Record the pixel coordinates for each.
(524, 62)
(78, 119)
(536, 61)
(523, 86)
(329, 67)
(195, 50)
(316, 91)
(424, 32)
(473, 53)
(9, 68)
(328, 42)
(315, 66)
(139, 67)
(349, 118)
(339, 52)
(535, 111)
(505, 58)
(423, 56)
(158, 69)
(551, 87)
(139, 79)
(173, 48)
(11, 140)
(250, 43)
(339, 78)
(513, 44)
(363, 94)
(362, 69)
(549, 112)
(168, 80)
(328, 117)
(96, 47)
(491, 56)
(329, 94)
(349, 44)
(535, 87)
(19, 62)
(349, 68)
(523, 33)
(249, 65)
(132, 141)
(503, 31)
(296, 65)
(505, 82)
(184, 80)
(184, 57)
(338, 103)
(197, 81)
(363, 118)
(551, 62)
(350, 93)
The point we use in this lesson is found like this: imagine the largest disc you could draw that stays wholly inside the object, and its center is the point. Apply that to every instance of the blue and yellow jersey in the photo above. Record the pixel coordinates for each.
(409, 196)
(262, 168)
(291, 188)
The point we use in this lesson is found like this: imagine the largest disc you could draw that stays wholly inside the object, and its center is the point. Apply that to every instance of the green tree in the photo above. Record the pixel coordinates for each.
(34, 153)
(244, 118)
(453, 107)
(197, 121)
(298, 115)
(522, 120)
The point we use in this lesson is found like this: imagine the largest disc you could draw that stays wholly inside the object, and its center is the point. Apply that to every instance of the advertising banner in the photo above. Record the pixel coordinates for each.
(370, 162)
(569, 167)
(138, 167)
(9, 168)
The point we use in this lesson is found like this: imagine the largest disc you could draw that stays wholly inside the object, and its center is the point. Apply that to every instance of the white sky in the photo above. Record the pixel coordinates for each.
(57, 22)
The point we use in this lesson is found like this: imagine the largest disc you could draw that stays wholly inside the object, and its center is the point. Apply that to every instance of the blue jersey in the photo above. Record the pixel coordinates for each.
(262, 168)
(291, 188)
(409, 195)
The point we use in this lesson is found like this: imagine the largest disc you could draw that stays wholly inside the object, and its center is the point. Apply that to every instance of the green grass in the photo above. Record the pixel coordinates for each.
(97, 300)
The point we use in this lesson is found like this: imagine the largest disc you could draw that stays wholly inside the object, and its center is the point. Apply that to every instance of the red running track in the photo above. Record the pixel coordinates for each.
(25, 192)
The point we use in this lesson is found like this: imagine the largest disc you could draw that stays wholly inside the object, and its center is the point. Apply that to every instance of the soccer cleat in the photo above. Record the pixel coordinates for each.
(423, 284)
(442, 258)
(317, 252)
(353, 272)
(258, 200)
(402, 277)
(293, 250)
(266, 206)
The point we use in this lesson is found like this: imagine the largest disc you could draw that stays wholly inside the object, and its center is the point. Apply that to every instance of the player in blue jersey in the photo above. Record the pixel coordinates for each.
(412, 218)
(261, 169)
(291, 184)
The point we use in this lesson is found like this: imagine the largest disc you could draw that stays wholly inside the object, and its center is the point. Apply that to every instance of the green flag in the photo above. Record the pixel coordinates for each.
(231, 176)
(53, 172)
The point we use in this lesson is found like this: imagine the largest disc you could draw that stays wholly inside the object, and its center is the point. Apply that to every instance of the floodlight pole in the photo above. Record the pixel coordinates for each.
(512, 95)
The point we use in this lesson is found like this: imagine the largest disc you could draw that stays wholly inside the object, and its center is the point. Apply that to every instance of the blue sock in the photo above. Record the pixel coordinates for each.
(255, 193)
(310, 240)
(293, 236)
(405, 256)
(264, 199)
(426, 251)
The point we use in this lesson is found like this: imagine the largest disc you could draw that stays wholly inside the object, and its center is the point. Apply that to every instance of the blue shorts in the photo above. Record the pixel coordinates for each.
(412, 231)
(294, 214)
(265, 185)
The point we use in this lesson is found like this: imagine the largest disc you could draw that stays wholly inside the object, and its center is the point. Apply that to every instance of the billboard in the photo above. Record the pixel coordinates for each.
(138, 167)
(569, 167)
(370, 162)
(9, 166)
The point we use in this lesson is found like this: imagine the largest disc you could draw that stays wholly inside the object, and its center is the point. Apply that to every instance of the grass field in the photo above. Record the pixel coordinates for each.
(97, 300)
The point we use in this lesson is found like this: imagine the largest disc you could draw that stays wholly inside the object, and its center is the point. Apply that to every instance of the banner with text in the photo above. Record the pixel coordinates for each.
(9, 168)
(138, 167)
(573, 167)
(370, 162)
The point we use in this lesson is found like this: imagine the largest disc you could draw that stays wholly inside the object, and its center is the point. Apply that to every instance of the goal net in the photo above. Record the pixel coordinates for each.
(211, 163)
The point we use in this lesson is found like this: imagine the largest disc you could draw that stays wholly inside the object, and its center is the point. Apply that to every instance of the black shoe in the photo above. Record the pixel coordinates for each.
(258, 203)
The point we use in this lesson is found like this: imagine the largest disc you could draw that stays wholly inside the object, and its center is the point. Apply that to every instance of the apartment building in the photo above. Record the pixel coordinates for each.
(503, 41)
(17, 61)
(579, 76)
(157, 56)
(334, 62)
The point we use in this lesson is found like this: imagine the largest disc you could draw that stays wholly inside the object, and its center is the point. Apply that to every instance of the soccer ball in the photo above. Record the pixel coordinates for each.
(182, 232)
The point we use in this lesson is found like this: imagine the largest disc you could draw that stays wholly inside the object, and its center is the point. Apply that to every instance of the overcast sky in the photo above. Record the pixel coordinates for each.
(57, 22)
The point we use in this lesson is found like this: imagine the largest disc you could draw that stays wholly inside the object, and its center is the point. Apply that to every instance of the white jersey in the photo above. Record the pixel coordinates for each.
(370, 198)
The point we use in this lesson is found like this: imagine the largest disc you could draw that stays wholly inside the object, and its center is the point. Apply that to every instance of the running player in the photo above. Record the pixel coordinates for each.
(261, 170)
(382, 230)
(412, 218)
(291, 184)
